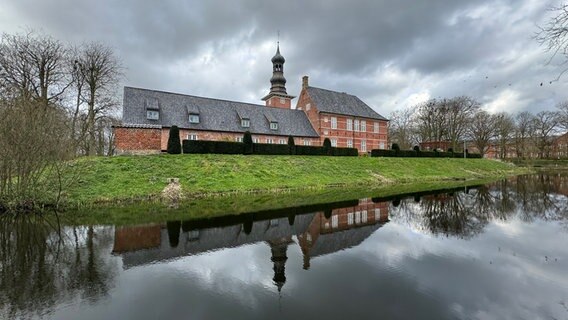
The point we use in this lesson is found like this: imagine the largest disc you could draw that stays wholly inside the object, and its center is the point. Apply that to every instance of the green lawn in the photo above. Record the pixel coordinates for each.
(140, 177)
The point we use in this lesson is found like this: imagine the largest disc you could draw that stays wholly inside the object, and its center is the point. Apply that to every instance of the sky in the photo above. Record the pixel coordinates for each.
(390, 53)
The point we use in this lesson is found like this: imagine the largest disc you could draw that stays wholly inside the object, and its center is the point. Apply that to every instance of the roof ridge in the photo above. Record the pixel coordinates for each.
(216, 99)
(349, 94)
(190, 95)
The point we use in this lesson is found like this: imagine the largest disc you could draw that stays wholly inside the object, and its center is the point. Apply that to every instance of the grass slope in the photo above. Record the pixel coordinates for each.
(139, 177)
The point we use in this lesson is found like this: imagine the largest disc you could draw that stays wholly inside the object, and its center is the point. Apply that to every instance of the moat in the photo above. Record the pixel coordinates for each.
(495, 251)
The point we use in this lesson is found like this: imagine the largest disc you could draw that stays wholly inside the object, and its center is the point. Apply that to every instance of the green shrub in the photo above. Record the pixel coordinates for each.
(395, 146)
(174, 145)
(291, 145)
(266, 148)
(247, 141)
(416, 148)
(220, 147)
(310, 151)
(421, 154)
(344, 152)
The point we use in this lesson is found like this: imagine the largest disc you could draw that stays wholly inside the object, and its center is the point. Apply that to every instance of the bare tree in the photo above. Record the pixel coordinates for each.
(523, 126)
(505, 129)
(482, 130)
(34, 143)
(34, 66)
(554, 35)
(459, 112)
(98, 72)
(544, 125)
(563, 114)
(401, 128)
(431, 124)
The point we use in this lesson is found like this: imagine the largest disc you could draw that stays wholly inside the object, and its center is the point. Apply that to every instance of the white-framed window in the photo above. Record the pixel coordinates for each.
(270, 140)
(357, 217)
(307, 142)
(245, 123)
(363, 126)
(192, 136)
(334, 221)
(377, 214)
(376, 127)
(308, 107)
(363, 146)
(255, 140)
(193, 118)
(333, 122)
(334, 142)
(349, 124)
(349, 143)
(350, 218)
(193, 235)
(364, 216)
(238, 139)
(152, 114)
(282, 141)
(382, 145)
(273, 125)
(356, 122)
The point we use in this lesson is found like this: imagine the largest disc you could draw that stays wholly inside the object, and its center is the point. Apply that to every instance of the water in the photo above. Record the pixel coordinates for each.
(498, 251)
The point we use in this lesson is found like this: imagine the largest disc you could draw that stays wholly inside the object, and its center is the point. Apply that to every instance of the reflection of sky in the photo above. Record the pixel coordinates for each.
(512, 270)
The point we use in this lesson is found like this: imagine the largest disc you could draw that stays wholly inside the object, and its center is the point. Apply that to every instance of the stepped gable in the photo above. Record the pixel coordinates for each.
(214, 114)
(341, 103)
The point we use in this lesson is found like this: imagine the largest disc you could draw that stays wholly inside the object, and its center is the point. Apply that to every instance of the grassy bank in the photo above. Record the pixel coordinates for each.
(238, 204)
(144, 177)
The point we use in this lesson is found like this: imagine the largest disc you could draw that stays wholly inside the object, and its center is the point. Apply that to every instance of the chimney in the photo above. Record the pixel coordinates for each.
(304, 82)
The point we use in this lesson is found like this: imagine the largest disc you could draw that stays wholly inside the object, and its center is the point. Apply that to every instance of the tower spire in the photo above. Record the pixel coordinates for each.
(278, 97)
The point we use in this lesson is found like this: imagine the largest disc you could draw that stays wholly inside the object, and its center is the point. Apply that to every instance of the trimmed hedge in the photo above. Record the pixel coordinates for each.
(344, 152)
(266, 148)
(311, 151)
(421, 154)
(226, 147)
(221, 147)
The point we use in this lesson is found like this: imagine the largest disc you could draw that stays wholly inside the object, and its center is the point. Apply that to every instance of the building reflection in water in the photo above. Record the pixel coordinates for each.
(334, 228)
(329, 228)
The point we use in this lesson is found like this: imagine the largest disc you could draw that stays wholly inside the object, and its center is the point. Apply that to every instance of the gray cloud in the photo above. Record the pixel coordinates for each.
(390, 53)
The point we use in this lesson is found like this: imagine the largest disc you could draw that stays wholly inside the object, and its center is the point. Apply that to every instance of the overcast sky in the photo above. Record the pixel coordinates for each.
(390, 53)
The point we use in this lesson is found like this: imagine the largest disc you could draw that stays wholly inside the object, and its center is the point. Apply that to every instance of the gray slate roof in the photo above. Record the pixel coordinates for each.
(341, 103)
(214, 114)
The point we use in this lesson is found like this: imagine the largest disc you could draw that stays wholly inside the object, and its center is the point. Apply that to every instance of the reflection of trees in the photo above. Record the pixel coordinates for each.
(40, 265)
(461, 214)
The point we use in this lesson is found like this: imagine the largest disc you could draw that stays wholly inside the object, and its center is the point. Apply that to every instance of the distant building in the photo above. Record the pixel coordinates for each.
(343, 118)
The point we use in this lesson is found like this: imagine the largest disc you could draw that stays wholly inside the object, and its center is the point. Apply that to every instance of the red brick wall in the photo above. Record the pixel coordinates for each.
(275, 101)
(230, 136)
(341, 134)
(137, 140)
(136, 238)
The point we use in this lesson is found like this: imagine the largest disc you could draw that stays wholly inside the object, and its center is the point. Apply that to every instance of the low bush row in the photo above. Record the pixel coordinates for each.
(420, 154)
(226, 147)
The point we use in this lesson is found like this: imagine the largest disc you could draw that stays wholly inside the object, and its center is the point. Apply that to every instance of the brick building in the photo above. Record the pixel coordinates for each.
(343, 118)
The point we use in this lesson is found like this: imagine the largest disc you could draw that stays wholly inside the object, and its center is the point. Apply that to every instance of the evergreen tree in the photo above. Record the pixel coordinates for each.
(174, 145)
(292, 145)
(327, 145)
(247, 140)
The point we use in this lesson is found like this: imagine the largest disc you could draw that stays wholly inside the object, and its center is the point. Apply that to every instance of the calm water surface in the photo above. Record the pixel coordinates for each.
(498, 251)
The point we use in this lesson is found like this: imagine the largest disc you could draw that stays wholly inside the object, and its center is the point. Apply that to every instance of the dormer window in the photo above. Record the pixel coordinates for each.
(193, 118)
(152, 115)
(273, 125)
(245, 123)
